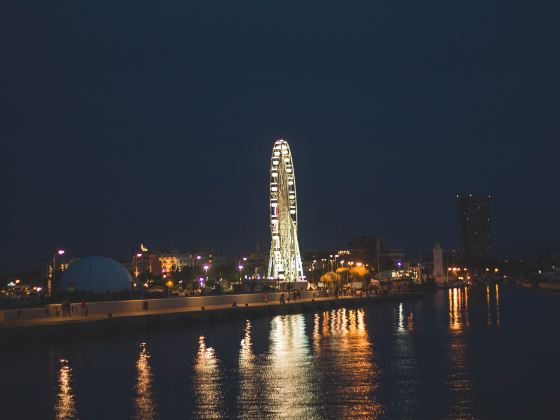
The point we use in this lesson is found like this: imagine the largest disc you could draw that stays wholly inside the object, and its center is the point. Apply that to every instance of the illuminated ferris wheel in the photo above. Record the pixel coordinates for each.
(285, 259)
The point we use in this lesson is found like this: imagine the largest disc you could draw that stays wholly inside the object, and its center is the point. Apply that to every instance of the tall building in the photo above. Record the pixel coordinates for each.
(438, 272)
(474, 216)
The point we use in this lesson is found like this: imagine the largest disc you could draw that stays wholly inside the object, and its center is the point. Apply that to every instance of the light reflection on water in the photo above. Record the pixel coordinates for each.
(289, 377)
(394, 360)
(144, 401)
(346, 360)
(252, 395)
(207, 383)
(403, 367)
(283, 381)
(497, 300)
(493, 305)
(400, 322)
(65, 404)
(458, 298)
(458, 381)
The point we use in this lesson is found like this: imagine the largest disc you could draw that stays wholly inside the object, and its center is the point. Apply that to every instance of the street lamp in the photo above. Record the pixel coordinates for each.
(206, 267)
(198, 257)
(59, 252)
(240, 267)
(137, 269)
(313, 271)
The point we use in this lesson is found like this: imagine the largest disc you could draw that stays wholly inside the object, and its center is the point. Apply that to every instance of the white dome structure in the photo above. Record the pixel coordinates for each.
(95, 275)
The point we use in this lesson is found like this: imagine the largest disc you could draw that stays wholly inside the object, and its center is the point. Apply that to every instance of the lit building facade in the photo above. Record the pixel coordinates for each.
(157, 262)
(172, 262)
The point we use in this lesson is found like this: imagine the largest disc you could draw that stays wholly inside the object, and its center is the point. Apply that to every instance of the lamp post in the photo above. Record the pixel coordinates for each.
(347, 270)
(313, 271)
(53, 273)
(138, 257)
(206, 267)
(194, 259)
(240, 267)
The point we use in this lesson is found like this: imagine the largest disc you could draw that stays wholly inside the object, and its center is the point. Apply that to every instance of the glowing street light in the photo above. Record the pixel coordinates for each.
(50, 284)
(138, 270)
(206, 267)
(194, 260)
(240, 267)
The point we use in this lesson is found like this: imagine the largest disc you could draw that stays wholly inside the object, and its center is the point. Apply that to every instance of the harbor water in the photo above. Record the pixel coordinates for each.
(481, 352)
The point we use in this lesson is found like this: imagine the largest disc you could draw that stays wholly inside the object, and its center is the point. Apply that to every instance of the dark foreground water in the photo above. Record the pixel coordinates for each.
(464, 353)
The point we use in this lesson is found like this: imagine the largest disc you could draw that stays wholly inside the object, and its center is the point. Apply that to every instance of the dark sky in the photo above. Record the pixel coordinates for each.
(132, 121)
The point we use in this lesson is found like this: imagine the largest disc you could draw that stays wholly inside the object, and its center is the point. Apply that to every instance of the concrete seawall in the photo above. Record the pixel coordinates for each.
(548, 285)
(29, 332)
(138, 305)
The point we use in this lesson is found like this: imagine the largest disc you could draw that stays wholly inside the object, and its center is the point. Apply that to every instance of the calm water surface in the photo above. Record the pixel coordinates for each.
(485, 352)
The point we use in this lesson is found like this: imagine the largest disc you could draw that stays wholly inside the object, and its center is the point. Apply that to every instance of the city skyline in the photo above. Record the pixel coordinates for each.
(128, 135)
(161, 259)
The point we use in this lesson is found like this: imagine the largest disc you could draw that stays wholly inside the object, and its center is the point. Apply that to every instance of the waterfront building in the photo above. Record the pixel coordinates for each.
(159, 263)
(146, 262)
(474, 216)
(373, 249)
(173, 261)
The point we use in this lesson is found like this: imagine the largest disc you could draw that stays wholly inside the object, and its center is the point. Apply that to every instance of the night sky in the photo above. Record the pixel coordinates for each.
(128, 122)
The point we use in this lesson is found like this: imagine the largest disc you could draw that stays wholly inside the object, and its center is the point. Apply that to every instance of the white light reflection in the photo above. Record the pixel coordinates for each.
(144, 402)
(400, 323)
(206, 383)
(291, 381)
(251, 398)
(402, 367)
(65, 404)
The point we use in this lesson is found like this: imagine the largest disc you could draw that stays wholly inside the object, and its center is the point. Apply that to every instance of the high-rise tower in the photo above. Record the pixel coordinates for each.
(474, 217)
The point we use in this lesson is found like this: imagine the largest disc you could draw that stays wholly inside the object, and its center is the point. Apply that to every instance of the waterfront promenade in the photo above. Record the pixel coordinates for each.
(78, 324)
